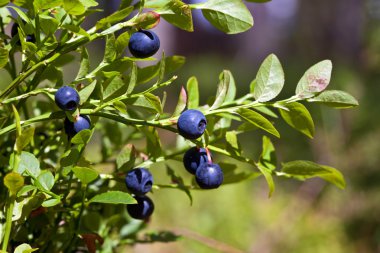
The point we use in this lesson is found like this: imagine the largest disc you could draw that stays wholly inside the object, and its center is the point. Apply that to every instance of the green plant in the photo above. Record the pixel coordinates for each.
(44, 168)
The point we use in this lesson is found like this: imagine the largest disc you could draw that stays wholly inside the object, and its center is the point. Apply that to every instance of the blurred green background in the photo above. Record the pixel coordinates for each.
(302, 217)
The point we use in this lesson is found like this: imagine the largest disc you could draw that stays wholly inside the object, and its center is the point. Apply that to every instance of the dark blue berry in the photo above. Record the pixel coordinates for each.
(193, 158)
(139, 181)
(191, 124)
(67, 98)
(72, 128)
(143, 44)
(143, 209)
(14, 32)
(209, 176)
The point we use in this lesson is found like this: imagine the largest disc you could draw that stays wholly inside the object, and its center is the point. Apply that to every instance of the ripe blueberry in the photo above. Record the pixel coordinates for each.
(209, 176)
(14, 32)
(72, 128)
(193, 158)
(139, 181)
(143, 209)
(191, 124)
(143, 44)
(67, 98)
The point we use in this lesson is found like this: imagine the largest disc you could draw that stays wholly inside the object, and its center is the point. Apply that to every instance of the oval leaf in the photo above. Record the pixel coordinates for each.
(258, 120)
(269, 80)
(14, 182)
(298, 117)
(335, 98)
(229, 16)
(85, 175)
(306, 169)
(113, 197)
(315, 79)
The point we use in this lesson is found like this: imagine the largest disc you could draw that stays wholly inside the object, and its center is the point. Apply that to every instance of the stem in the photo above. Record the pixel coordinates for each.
(8, 224)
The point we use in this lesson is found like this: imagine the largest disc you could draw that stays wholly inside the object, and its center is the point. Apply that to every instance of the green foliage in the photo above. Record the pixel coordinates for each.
(49, 171)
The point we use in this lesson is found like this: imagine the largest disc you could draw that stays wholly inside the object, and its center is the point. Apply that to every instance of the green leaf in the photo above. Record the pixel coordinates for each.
(86, 92)
(268, 157)
(153, 143)
(268, 177)
(147, 20)
(110, 49)
(233, 145)
(48, 24)
(3, 2)
(114, 17)
(154, 101)
(178, 14)
(46, 180)
(126, 158)
(258, 120)
(85, 175)
(114, 84)
(229, 16)
(192, 92)
(335, 98)
(113, 197)
(24, 139)
(51, 202)
(232, 175)
(14, 182)
(84, 64)
(298, 117)
(223, 86)
(181, 104)
(4, 56)
(89, 3)
(306, 169)
(29, 163)
(18, 121)
(25, 189)
(24, 248)
(315, 80)
(74, 7)
(132, 79)
(82, 137)
(46, 4)
(122, 42)
(120, 106)
(269, 80)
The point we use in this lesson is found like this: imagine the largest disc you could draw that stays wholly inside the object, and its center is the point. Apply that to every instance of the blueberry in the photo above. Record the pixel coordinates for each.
(139, 181)
(191, 124)
(29, 37)
(72, 128)
(193, 158)
(143, 44)
(143, 209)
(209, 176)
(67, 98)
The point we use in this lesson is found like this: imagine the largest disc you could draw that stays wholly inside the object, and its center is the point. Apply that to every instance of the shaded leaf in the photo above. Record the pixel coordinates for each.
(114, 17)
(126, 158)
(84, 64)
(268, 157)
(84, 174)
(86, 92)
(178, 14)
(298, 117)
(179, 181)
(28, 162)
(335, 98)
(24, 139)
(82, 137)
(306, 169)
(258, 120)
(46, 180)
(181, 104)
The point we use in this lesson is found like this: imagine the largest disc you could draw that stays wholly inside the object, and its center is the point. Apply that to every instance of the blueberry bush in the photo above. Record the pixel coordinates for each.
(53, 198)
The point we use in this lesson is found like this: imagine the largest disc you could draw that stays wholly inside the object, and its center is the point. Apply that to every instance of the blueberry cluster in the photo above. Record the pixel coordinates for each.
(191, 125)
(67, 99)
(139, 181)
(143, 44)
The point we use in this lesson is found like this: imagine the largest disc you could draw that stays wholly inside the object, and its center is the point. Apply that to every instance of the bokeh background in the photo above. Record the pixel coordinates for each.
(301, 217)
